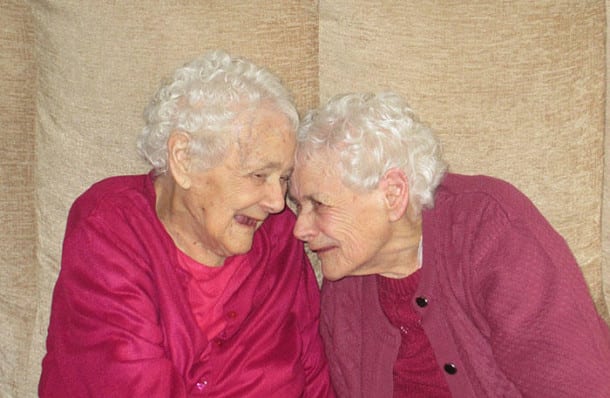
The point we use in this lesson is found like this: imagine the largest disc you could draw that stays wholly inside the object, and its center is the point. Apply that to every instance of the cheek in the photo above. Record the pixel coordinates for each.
(364, 238)
(248, 191)
(343, 228)
(238, 197)
(356, 246)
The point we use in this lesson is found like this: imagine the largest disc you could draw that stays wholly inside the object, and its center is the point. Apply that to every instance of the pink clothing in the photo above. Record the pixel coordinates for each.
(122, 325)
(206, 289)
(501, 298)
(416, 373)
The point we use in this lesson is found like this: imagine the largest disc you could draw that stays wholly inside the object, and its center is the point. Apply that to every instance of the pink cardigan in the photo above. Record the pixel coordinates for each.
(501, 299)
(121, 325)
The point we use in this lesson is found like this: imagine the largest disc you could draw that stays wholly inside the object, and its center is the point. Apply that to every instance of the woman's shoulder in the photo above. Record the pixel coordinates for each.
(112, 194)
(117, 185)
(479, 192)
(463, 184)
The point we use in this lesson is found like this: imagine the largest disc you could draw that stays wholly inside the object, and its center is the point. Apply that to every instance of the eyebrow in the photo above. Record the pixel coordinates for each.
(306, 198)
(268, 166)
(271, 165)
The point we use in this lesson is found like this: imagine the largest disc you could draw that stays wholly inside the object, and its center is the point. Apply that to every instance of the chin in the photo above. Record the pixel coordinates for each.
(240, 248)
(330, 275)
(243, 250)
(333, 278)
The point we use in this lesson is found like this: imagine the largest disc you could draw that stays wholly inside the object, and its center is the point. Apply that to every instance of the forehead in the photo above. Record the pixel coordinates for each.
(264, 119)
(316, 172)
(264, 133)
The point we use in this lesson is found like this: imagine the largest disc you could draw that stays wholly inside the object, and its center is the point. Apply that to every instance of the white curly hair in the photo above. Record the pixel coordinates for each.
(372, 133)
(203, 99)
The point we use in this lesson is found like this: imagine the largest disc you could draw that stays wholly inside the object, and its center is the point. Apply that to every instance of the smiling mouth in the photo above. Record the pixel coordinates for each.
(323, 249)
(246, 221)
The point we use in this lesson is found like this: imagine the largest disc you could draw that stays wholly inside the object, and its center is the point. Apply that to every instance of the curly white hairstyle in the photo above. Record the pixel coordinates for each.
(203, 99)
(372, 133)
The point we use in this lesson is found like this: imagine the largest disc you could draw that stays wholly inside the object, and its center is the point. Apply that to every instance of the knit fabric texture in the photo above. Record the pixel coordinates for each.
(416, 371)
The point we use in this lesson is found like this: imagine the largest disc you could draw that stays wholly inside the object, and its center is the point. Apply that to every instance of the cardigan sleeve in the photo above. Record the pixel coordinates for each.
(361, 344)
(544, 330)
(317, 383)
(104, 338)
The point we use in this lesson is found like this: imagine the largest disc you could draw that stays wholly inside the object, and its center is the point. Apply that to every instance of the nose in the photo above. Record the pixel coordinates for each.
(275, 197)
(303, 228)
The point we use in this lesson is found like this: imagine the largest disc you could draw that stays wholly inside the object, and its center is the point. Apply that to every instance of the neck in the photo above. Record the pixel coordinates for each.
(402, 251)
(178, 222)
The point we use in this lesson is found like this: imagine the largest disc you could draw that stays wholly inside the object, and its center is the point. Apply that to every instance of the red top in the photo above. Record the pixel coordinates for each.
(122, 325)
(416, 372)
(207, 288)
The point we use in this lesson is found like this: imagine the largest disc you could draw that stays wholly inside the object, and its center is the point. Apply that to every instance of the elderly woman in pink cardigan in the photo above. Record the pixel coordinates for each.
(436, 284)
(187, 281)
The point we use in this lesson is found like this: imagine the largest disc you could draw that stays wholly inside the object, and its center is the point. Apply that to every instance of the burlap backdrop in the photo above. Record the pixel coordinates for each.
(605, 230)
(514, 89)
(18, 270)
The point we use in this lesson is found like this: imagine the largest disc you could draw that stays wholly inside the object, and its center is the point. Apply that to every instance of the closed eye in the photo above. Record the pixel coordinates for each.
(316, 204)
(259, 178)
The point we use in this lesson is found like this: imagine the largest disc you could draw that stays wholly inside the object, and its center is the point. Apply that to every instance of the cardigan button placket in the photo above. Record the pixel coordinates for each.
(450, 368)
(421, 301)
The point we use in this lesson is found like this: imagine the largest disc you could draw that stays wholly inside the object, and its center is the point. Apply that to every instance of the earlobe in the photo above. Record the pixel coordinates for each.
(396, 193)
(179, 158)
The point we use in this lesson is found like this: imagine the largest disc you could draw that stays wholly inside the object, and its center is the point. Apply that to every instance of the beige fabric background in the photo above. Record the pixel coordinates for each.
(515, 89)
(605, 230)
(18, 270)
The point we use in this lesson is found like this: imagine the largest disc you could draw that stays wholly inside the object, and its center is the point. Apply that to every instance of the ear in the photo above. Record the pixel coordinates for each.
(395, 189)
(179, 158)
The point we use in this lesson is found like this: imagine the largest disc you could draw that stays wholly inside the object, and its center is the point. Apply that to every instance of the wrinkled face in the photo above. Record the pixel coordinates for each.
(230, 201)
(347, 229)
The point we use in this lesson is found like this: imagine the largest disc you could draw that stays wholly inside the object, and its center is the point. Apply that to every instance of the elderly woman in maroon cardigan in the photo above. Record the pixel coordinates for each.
(187, 281)
(436, 284)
